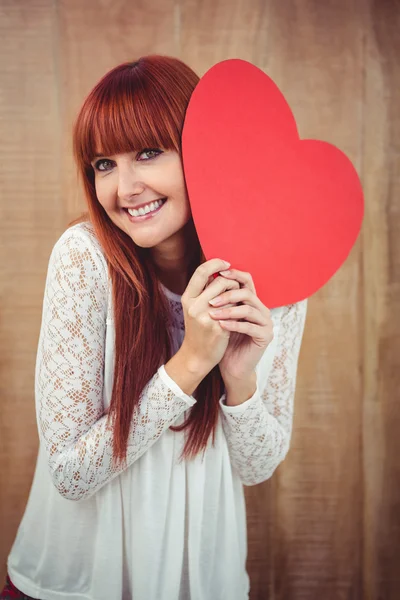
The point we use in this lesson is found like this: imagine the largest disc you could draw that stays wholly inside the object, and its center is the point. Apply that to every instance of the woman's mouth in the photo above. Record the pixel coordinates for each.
(152, 209)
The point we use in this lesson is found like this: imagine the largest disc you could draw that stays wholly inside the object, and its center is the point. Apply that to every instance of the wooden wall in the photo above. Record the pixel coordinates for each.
(327, 526)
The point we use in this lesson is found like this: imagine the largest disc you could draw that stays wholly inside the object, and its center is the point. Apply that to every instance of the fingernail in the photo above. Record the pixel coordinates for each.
(215, 301)
(225, 272)
(228, 264)
(216, 311)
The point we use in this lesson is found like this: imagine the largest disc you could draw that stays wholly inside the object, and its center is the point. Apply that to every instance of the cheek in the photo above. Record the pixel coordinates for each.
(104, 196)
(182, 199)
(179, 188)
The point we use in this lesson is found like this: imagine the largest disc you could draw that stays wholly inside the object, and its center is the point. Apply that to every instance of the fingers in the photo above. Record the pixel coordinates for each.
(251, 317)
(244, 311)
(245, 295)
(200, 277)
(261, 335)
(242, 277)
(219, 286)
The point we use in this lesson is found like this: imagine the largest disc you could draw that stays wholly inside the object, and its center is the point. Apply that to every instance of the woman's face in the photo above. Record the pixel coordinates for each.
(137, 180)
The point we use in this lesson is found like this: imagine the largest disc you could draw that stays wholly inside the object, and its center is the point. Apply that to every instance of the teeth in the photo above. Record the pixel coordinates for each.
(145, 209)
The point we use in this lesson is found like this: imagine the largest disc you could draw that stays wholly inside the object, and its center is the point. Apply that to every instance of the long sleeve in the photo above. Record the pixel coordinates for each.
(69, 375)
(258, 431)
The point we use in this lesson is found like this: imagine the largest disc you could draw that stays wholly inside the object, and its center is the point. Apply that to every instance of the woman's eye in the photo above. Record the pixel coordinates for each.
(99, 162)
(149, 151)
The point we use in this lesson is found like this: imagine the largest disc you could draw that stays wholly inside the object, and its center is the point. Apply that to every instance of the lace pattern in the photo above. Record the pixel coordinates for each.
(259, 431)
(69, 382)
(69, 374)
(177, 318)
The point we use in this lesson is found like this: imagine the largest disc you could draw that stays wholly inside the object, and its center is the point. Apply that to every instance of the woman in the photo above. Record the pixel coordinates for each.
(153, 410)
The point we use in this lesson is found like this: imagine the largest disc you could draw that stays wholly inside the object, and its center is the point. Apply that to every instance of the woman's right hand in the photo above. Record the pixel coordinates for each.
(205, 340)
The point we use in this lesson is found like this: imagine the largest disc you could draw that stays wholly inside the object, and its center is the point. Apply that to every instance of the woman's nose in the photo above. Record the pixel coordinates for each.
(129, 183)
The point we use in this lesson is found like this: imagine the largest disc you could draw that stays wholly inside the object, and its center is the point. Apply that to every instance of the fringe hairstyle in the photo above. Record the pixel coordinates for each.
(138, 105)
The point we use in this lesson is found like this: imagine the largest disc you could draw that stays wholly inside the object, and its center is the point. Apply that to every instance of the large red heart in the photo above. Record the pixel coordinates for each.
(286, 210)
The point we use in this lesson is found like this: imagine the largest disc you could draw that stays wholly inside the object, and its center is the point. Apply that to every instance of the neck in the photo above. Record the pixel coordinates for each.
(174, 259)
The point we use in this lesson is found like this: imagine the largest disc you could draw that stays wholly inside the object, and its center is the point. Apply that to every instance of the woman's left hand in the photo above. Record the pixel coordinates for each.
(250, 323)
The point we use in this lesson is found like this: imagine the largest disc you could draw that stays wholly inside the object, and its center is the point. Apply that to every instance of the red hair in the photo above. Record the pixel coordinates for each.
(138, 105)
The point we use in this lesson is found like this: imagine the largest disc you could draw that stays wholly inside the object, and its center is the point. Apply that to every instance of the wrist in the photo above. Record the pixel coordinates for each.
(239, 390)
(186, 371)
(237, 382)
(193, 364)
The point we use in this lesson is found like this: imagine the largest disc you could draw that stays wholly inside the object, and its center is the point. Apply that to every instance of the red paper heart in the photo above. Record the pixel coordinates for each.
(286, 210)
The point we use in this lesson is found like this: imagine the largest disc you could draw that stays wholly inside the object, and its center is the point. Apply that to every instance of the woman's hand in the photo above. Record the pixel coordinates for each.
(250, 325)
(205, 341)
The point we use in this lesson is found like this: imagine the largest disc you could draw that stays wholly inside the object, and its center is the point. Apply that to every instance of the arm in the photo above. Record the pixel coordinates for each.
(258, 430)
(69, 376)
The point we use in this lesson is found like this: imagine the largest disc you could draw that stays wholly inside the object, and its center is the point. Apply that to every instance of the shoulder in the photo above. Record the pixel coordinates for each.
(80, 243)
(78, 259)
(81, 234)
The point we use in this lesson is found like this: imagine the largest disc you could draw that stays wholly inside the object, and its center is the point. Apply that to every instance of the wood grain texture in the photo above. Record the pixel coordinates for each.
(30, 212)
(327, 525)
(381, 330)
(93, 37)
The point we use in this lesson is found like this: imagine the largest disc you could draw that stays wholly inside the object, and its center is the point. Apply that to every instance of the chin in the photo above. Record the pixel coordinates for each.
(144, 244)
(146, 241)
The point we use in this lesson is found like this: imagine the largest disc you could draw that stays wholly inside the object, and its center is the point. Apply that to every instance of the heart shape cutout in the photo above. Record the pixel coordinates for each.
(286, 210)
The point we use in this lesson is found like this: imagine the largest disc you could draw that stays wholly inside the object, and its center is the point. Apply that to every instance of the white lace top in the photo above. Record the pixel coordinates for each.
(156, 529)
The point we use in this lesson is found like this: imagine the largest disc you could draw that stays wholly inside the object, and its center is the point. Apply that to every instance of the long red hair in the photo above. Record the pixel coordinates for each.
(138, 105)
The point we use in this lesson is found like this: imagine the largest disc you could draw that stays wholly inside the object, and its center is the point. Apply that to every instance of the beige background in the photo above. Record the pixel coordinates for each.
(327, 526)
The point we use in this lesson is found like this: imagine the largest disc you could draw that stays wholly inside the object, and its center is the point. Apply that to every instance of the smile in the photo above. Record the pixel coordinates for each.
(145, 212)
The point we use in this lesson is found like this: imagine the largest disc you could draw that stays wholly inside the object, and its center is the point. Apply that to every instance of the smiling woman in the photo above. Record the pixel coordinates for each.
(129, 181)
(139, 106)
(152, 411)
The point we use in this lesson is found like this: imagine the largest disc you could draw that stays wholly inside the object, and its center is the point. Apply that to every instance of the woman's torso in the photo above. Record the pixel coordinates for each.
(160, 530)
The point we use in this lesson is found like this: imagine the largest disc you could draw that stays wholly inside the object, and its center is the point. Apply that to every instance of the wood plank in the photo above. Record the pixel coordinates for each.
(381, 267)
(94, 37)
(30, 212)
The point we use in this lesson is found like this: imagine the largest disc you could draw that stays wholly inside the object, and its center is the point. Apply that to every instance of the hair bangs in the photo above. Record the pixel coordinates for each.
(118, 117)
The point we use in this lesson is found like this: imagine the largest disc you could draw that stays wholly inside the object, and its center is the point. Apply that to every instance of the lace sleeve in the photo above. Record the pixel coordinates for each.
(258, 431)
(69, 376)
